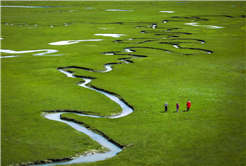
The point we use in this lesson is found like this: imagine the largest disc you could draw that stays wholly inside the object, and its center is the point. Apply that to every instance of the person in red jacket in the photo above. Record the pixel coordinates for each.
(188, 104)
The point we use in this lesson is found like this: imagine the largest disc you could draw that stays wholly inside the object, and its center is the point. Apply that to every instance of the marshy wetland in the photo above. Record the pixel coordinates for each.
(85, 83)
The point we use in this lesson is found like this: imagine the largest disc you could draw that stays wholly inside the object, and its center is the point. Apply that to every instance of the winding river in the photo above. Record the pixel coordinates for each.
(170, 38)
(113, 149)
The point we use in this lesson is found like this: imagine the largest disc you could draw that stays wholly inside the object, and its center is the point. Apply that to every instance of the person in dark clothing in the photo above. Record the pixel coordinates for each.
(166, 106)
(177, 107)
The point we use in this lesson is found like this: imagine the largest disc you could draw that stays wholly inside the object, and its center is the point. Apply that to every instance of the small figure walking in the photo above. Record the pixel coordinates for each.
(177, 107)
(166, 106)
(188, 104)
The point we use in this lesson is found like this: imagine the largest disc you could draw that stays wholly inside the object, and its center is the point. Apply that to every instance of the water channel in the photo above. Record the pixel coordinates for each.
(113, 149)
(170, 38)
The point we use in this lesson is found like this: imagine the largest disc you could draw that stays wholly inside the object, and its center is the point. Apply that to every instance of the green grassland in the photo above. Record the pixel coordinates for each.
(211, 133)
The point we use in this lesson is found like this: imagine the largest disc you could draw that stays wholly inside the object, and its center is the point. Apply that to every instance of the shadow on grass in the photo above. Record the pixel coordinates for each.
(175, 111)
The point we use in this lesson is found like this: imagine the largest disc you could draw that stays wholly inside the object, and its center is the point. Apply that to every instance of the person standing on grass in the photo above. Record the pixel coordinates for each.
(166, 106)
(177, 106)
(188, 104)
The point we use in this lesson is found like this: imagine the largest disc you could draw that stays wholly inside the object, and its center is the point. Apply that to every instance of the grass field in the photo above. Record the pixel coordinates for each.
(211, 133)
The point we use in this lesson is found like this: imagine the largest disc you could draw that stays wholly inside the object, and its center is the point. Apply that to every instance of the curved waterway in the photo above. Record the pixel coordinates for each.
(165, 36)
(113, 148)
(126, 109)
(43, 51)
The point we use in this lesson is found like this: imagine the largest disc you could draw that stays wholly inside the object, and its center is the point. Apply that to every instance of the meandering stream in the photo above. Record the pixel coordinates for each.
(170, 38)
(113, 149)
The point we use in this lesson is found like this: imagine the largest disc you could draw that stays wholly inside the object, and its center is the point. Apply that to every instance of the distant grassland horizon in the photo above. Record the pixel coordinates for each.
(171, 62)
